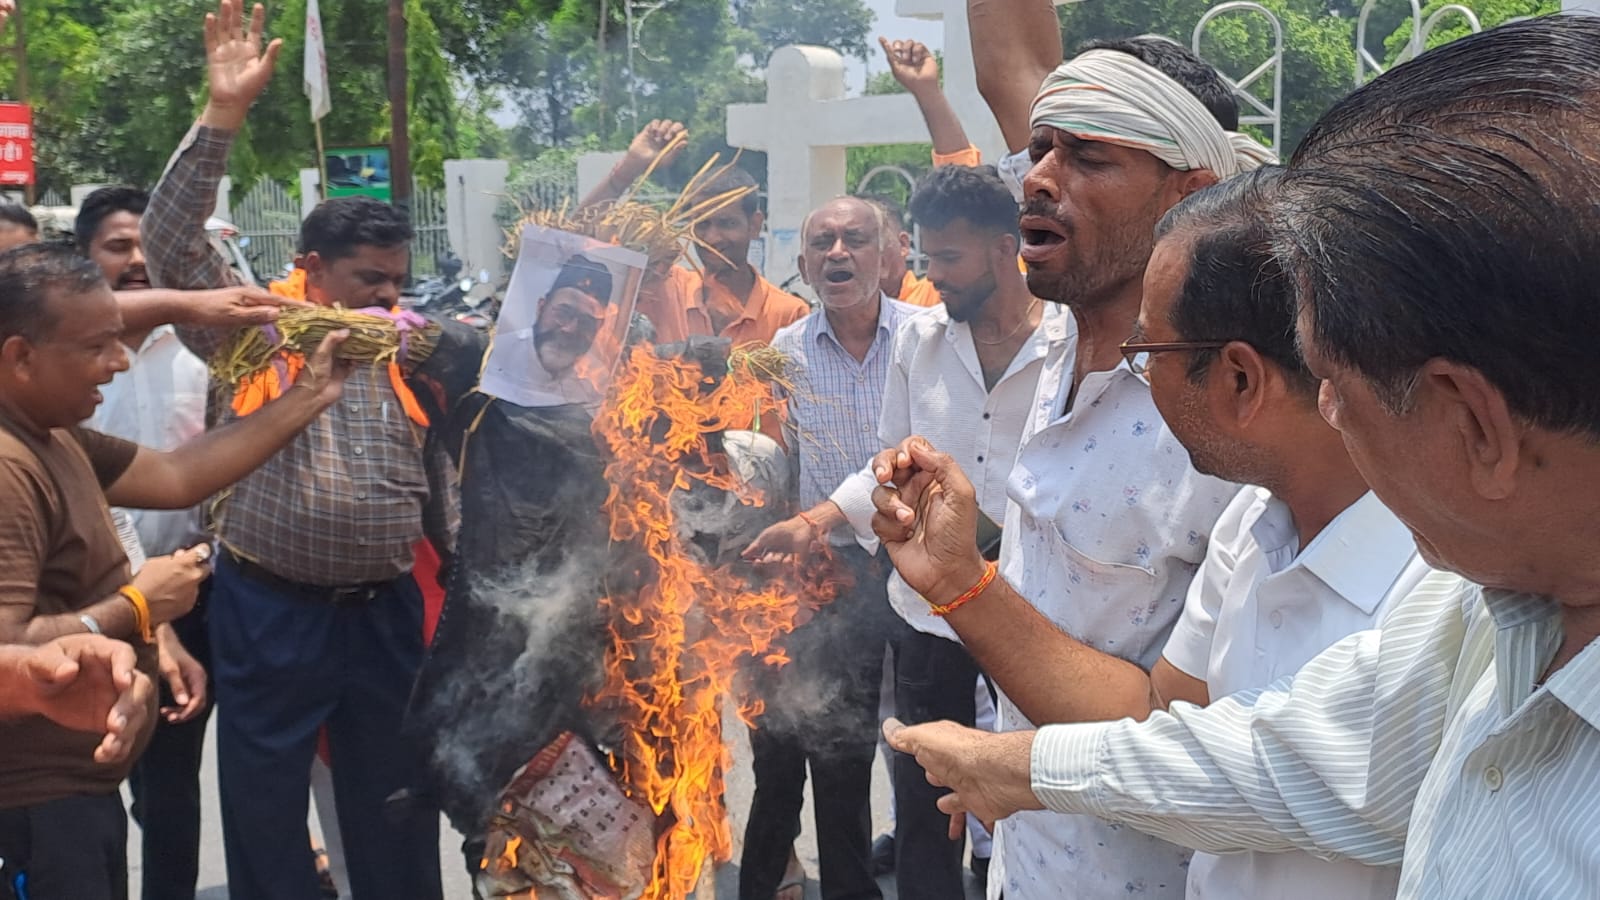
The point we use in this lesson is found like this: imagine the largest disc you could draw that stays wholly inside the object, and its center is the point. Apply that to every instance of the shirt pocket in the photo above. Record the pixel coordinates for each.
(1115, 607)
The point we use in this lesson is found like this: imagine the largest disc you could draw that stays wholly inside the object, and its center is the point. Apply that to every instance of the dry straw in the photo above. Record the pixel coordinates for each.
(373, 339)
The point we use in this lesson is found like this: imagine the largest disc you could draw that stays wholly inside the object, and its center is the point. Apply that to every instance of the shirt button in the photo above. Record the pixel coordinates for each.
(986, 416)
(1493, 779)
(1276, 618)
(359, 451)
(980, 459)
(361, 495)
(353, 407)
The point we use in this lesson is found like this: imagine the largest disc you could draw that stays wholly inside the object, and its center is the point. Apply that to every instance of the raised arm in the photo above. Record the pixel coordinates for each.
(1015, 44)
(917, 70)
(177, 250)
(652, 142)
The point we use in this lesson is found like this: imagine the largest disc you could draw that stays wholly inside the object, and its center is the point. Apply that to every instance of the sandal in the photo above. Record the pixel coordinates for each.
(325, 885)
(794, 876)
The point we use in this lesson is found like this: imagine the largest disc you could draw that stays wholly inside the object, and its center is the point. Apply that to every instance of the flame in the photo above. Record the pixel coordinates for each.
(676, 644)
(508, 856)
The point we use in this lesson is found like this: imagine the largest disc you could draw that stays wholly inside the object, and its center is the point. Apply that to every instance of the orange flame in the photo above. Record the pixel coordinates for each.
(675, 645)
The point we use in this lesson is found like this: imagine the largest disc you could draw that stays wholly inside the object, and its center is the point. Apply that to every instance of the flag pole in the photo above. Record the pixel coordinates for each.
(322, 161)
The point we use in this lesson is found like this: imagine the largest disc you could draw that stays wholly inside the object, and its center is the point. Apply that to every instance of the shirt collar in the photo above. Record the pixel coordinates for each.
(888, 319)
(1577, 685)
(156, 336)
(749, 309)
(1361, 553)
(1527, 635)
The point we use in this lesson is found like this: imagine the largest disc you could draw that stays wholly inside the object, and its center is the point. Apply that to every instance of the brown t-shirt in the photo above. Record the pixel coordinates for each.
(58, 553)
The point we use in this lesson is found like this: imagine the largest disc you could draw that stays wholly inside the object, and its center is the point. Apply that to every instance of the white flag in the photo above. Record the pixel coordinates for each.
(316, 73)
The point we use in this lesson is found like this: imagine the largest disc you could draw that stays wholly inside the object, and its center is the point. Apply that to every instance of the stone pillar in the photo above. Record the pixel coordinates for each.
(473, 189)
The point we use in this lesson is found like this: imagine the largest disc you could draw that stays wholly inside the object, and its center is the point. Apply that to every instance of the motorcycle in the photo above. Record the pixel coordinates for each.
(444, 295)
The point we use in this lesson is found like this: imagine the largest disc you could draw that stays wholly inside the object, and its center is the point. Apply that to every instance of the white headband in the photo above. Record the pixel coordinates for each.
(1108, 95)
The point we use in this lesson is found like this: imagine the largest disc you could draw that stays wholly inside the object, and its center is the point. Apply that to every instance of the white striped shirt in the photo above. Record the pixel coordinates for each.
(835, 399)
(1427, 742)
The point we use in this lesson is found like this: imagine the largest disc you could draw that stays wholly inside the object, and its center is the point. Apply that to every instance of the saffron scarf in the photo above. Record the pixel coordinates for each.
(267, 385)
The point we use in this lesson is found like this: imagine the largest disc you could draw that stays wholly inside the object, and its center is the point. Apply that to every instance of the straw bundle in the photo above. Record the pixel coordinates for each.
(761, 362)
(373, 339)
(656, 232)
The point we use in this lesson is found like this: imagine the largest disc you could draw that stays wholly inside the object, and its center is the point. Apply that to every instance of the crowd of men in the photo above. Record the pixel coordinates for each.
(1230, 545)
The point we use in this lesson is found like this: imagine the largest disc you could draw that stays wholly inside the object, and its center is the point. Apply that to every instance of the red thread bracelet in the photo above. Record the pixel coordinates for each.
(972, 593)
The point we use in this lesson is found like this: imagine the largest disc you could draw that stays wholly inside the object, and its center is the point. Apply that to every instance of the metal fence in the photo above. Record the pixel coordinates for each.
(269, 215)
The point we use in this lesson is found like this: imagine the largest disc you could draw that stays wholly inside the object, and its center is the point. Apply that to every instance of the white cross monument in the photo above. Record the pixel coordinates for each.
(807, 124)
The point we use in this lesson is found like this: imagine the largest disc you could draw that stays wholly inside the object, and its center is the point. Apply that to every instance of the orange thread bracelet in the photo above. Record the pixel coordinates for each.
(815, 528)
(141, 611)
(972, 593)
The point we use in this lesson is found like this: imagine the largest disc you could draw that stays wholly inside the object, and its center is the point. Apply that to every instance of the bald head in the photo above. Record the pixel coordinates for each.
(842, 255)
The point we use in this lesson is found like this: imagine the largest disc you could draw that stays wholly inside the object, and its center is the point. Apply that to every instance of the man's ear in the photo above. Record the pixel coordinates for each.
(1239, 383)
(804, 275)
(1491, 437)
(758, 220)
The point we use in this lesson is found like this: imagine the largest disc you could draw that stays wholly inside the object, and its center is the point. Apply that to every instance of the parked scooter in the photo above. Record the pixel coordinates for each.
(444, 295)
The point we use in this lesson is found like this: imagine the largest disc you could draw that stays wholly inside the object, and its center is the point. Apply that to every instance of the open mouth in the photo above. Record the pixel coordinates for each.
(839, 276)
(1039, 231)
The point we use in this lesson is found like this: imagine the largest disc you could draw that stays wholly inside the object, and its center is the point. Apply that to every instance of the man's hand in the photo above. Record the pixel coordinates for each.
(170, 584)
(86, 682)
(184, 675)
(927, 518)
(236, 66)
(233, 307)
(989, 775)
(912, 64)
(7, 8)
(325, 373)
(647, 147)
(791, 541)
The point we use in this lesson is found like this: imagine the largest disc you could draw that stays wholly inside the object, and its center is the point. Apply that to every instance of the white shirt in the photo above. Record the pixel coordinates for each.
(159, 402)
(1427, 741)
(1259, 609)
(935, 389)
(1107, 524)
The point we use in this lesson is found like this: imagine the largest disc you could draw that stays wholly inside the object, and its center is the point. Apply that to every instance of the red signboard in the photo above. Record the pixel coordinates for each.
(16, 143)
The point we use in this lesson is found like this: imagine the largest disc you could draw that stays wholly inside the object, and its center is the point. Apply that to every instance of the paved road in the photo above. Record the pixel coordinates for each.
(213, 877)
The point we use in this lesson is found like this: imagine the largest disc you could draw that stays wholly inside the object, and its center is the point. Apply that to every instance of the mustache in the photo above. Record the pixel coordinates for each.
(1044, 209)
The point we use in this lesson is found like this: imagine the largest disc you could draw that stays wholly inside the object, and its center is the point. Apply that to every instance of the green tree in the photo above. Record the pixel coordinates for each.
(843, 25)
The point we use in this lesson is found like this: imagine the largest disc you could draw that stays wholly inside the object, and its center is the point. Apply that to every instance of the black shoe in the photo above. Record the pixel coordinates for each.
(980, 869)
(882, 855)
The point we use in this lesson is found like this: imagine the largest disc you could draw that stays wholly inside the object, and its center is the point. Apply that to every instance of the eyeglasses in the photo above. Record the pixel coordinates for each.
(1138, 355)
(566, 317)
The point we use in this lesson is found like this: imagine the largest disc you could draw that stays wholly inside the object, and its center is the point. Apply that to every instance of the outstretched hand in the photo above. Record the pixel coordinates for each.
(237, 67)
(989, 775)
(927, 518)
(912, 64)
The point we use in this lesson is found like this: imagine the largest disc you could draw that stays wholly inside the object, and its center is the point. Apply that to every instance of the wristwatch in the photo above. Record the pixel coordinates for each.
(90, 623)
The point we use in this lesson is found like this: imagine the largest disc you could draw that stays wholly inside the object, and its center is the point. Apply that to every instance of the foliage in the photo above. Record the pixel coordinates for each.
(116, 85)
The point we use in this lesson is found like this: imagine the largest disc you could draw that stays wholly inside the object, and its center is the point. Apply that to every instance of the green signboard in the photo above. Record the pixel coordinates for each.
(359, 172)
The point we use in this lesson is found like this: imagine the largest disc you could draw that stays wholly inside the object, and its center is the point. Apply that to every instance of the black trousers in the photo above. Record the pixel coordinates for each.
(821, 711)
(934, 680)
(70, 849)
(165, 783)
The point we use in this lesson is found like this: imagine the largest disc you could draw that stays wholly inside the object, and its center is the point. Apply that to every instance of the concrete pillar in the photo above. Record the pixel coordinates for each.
(473, 189)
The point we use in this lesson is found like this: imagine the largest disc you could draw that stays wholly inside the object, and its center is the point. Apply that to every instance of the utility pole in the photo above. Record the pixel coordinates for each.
(399, 136)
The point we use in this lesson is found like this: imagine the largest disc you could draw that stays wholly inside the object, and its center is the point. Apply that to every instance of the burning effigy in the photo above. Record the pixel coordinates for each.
(571, 707)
